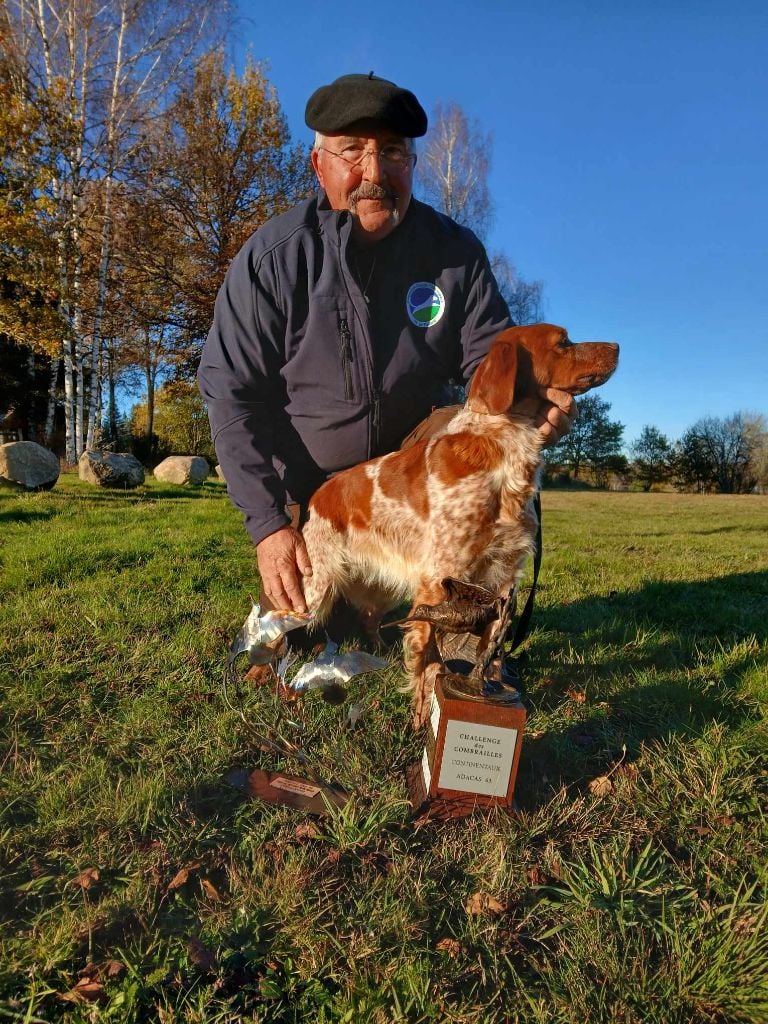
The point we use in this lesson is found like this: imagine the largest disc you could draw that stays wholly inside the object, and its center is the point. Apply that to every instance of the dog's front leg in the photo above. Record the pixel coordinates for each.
(422, 659)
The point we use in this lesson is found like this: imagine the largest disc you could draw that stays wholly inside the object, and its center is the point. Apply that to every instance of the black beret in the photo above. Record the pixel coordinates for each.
(334, 107)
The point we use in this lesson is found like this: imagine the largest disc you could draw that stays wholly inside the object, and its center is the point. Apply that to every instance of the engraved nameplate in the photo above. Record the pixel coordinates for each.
(294, 786)
(477, 758)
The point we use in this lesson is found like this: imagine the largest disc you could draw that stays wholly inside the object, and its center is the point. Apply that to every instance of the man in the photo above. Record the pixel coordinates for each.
(340, 323)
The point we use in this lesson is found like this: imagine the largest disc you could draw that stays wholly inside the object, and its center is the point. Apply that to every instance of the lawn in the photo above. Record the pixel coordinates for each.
(136, 884)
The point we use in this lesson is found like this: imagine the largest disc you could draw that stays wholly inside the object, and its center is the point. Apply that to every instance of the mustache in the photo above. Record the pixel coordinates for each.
(369, 190)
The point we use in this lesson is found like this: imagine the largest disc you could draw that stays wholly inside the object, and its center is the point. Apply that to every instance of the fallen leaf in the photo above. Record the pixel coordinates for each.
(482, 903)
(306, 830)
(211, 891)
(113, 968)
(86, 878)
(449, 946)
(204, 959)
(85, 991)
(577, 696)
(535, 875)
(600, 786)
(182, 877)
(701, 830)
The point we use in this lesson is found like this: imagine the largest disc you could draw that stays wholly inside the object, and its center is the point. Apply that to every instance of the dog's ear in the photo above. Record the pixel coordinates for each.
(493, 387)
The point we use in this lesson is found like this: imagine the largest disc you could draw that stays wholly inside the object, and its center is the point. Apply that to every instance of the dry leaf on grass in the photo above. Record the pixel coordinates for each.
(211, 891)
(600, 786)
(306, 830)
(86, 878)
(482, 903)
(577, 696)
(535, 875)
(113, 968)
(183, 876)
(85, 991)
(449, 946)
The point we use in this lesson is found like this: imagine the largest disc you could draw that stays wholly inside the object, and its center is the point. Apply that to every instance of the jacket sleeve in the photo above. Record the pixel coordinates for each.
(239, 378)
(486, 315)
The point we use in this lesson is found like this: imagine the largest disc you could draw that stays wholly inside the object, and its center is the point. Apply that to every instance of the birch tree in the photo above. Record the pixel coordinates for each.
(113, 65)
(452, 175)
(452, 168)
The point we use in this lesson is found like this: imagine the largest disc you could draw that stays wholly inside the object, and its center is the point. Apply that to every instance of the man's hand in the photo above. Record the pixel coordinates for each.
(283, 560)
(556, 415)
(553, 412)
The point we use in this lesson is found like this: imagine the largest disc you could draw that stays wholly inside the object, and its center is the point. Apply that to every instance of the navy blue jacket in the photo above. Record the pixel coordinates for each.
(312, 366)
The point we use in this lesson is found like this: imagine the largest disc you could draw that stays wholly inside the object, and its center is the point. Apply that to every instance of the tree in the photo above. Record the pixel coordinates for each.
(717, 453)
(757, 432)
(181, 420)
(452, 168)
(452, 175)
(524, 298)
(594, 441)
(219, 167)
(103, 69)
(652, 453)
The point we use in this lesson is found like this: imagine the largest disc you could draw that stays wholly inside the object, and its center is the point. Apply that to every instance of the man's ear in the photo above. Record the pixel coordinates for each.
(315, 158)
(492, 389)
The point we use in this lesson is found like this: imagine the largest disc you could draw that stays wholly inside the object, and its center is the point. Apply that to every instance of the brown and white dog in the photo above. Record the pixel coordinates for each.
(458, 505)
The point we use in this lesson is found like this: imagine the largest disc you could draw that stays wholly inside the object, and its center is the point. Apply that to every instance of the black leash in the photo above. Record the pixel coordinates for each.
(524, 622)
(510, 668)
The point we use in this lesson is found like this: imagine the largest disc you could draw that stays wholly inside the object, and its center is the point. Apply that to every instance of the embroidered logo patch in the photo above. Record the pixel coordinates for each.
(425, 304)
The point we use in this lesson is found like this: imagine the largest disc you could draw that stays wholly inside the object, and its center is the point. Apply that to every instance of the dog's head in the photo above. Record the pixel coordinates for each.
(523, 360)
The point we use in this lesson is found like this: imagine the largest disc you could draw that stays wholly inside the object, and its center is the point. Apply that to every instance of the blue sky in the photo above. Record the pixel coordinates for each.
(630, 165)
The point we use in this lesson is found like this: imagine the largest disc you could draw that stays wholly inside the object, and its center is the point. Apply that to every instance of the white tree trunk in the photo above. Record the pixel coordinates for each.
(51, 413)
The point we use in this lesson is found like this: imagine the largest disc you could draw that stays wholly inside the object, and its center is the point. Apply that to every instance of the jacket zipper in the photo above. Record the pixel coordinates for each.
(345, 347)
(376, 424)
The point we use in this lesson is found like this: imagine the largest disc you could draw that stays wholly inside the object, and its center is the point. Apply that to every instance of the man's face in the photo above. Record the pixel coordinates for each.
(360, 172)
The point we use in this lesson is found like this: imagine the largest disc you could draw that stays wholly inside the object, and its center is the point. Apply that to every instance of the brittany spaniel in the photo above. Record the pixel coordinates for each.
(456, 505)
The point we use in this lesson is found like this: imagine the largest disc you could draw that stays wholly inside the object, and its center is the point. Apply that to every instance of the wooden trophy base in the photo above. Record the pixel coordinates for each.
(470, 758)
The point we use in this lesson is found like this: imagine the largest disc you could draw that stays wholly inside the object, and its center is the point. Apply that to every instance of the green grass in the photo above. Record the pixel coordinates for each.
(647, 663)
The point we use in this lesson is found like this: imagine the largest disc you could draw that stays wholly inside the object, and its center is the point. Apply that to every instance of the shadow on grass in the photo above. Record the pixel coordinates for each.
(683, 648)
(145, 494)
(26, 515)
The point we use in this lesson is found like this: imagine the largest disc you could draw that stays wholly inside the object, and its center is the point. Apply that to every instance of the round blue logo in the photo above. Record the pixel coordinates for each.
(425, 304)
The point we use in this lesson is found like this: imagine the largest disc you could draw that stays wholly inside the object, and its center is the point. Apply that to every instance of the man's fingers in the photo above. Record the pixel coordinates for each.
(302, 558)
(284, 578)
(562, 400)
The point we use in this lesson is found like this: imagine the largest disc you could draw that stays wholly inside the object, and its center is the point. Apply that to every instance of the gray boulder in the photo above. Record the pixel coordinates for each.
(26, 466)
(183, 469)
(110, 469)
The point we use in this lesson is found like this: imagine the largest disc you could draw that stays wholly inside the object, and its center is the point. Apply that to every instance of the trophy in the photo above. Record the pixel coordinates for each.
(476, 720)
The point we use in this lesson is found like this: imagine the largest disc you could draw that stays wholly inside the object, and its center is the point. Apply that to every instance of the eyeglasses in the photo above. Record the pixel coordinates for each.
(392, 158)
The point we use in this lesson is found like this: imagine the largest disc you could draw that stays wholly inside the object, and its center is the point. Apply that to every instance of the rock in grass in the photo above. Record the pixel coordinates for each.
(27, 466)
(183, 469)
(220, 473)
(110, 469)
